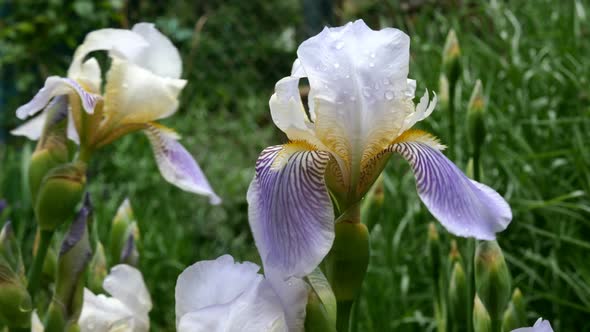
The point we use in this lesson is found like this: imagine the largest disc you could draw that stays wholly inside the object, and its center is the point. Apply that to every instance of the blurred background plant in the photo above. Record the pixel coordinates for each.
(531, 56)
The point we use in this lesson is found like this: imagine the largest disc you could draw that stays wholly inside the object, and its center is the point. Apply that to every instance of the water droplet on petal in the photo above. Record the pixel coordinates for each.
(339, 45)
(336, 65)
(389, 95)
(386, 81)
(352, 98)
(366, 92)
(372, 55)
(371, 64)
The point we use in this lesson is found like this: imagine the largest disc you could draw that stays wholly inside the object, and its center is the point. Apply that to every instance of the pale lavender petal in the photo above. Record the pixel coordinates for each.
(540, 326)
(177, 165)
(464, 207)
(55, 85)
(292, 293)
(290, 210)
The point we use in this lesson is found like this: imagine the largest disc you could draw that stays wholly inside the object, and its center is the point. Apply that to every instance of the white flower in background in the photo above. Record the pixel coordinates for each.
(126, 310)
(142, 85)
(540, 326)
(221, 295)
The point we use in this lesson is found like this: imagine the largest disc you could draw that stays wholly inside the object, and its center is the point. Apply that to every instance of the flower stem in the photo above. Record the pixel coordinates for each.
(37, 267)
(470, 281)
(451, 112)
(343, 309)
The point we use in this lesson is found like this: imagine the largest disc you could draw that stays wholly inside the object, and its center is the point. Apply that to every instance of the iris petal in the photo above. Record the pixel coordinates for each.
(161, 56)
(176, 164)
(540, 326)
(54, 86)
(290, 210)
(463, 206)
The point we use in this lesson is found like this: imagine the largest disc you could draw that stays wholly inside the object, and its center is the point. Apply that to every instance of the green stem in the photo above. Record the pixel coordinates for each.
(35, 272)
(343, 317)
(451, 149)
(470, 282)
(476, 168)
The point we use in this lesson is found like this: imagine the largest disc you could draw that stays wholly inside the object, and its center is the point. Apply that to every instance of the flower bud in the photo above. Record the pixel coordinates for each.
(434, 251)
(515, 314)
(348, 261)
(451, 57)
(59, 194)
(75, 253)
(481, 318)
(3, 205)
(476, 130)
(121, 230)
(98, 269)
(443, 92)
(15, 302)
(454, 253)
(492, 279)
(458, 293)
(321, 304)
(52, 148)
(129, 254)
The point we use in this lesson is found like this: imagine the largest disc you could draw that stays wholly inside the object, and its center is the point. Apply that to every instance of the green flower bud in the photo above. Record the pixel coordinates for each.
(59, 194)
(515, 314)
(121, 230)
(52, 147)
(348, 261)
(451, 57)
(454, 253)
(98, 269)
(321, 304)
(475, 117)
(75, 253)
(15, 302)
(129, 254)
(458, 293)
(492, 279)
(481, 318)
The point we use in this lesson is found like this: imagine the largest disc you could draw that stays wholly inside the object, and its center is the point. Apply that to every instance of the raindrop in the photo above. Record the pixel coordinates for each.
(125, 85)
(336, 65)
(366, 92)
(389, 95)
(386, 81)
(371, 64)
(352, 98)
(339, 45)
(373, 55)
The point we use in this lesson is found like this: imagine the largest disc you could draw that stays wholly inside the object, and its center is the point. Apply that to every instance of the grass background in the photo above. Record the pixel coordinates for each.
(532, 57)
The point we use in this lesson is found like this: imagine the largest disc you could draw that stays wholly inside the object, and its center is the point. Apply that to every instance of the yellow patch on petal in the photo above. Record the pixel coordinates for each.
(417, 135)
(288, 149)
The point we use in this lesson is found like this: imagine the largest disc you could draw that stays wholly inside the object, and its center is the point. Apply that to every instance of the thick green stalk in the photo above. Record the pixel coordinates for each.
(344, 309)
(37, 267)
(470, 282)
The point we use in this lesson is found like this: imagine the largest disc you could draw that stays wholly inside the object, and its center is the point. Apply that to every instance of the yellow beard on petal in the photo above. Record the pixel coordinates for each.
(288, 149)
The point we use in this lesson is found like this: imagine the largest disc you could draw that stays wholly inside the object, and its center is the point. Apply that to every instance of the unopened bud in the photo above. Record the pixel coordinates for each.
(52, 149)
(515, 314)
(451, 57)
(492, 278)
(15, 302)
(348, 261)
(59, 194)
(121, 230)
(454, 253)
(74, 256)
(321, 304)
(481, 318)
(3, 205)
(458, 293)
(129, 254)
(475, 117)
(98, 269)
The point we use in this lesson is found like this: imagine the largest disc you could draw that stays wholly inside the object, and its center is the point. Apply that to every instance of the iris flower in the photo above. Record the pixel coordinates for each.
(126, 311)
(540, 326)
(360, 111)
(223, 295)
(142, 86)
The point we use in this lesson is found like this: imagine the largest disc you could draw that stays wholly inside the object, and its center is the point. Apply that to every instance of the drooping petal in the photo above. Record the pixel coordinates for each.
(292, 293)
(136, 95)
(540, 326)
(125, 283)
(101, 313)
(359, 87)
(161, 56)
(120, 42)
(176, 164)
(32, 129)
(290, 210)
(54, 86)
(464, 207)
(213, 282)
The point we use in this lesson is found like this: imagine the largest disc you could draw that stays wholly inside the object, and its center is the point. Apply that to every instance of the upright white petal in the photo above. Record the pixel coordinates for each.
(161, 56)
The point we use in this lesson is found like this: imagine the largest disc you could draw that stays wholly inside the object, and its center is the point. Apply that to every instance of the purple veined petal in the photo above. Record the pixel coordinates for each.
(55, 85)
(176, 164)
(464, 207)
(290, 211)
(540, 326)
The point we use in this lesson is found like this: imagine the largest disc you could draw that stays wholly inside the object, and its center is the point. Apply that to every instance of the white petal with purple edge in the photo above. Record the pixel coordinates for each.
(54, 86)
(177, 165)
(540, 326)
(464, 207)
(290, 211)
